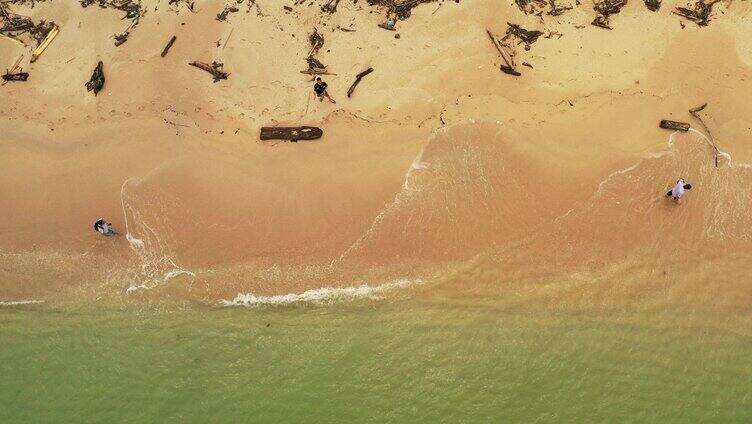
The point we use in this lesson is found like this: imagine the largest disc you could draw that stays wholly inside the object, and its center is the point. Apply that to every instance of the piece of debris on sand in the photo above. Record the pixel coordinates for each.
(188, 4)
(357, 81)
(317, 42)
(674, 125)
(402, 9)
(526, 37)
(330, 6)
(222, 16)
(539, 7)
(699, 14)
(96, 82)
(17, 76)
(215, 69)
(132, 9)
(168, 46)
(653, 5)
(24, 31)
(604, 9)
(507, 56)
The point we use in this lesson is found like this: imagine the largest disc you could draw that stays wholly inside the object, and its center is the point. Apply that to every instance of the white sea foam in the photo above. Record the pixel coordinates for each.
(322, 295)
(156, 263)
(20, 302)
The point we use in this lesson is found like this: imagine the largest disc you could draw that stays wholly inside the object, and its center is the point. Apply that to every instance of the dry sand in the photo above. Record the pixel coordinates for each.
(439, 164)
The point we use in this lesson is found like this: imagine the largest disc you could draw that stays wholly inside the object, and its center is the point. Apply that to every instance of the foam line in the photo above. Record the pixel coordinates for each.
(20, 302)
(322, 295)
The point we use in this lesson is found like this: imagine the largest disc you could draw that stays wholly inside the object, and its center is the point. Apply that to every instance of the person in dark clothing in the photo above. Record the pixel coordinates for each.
(103, 227)
(320, 89)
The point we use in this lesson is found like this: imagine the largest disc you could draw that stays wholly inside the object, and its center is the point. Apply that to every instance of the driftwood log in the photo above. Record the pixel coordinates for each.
(96, 82)
(215, 69)
(291, 133)
(168, 46)
(18, 76)
(674, 125)
(357, 81)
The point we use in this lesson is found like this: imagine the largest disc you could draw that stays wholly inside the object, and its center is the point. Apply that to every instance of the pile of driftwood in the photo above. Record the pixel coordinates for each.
(401, 9)
(604, 9)
(516, 35)
(526, 37)
(315, 67)
(14, 26)
(699, 14)
(132, 9)
(539, 7)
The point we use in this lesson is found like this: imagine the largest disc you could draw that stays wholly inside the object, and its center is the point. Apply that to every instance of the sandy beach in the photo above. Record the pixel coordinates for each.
(438, 162)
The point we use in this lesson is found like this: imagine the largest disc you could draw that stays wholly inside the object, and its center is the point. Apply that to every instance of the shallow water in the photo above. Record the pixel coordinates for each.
(388, 361)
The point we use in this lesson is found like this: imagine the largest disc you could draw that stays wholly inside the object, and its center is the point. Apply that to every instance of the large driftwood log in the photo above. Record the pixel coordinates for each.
(357, 81)
(291, 133)
(674, 125)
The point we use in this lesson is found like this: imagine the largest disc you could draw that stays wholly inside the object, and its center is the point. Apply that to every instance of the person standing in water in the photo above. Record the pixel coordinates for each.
(679, 189)
(320, 89)
(103, 227)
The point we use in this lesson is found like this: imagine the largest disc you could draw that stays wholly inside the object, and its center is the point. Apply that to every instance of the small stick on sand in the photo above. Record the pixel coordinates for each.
(216, 69)
(509, 67)
(357, 80)
(694, 113)
(169, 45)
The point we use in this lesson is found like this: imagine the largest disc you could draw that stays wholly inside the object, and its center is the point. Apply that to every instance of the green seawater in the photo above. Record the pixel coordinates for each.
(371, 362)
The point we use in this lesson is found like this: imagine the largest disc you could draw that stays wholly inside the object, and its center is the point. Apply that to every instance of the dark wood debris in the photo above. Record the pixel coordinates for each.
(168, 46)
(290, 133)
(215, 69)
(357, 81)
(17, 76)
(674, 125)
(604, 9)
(526, 37)
(221, 16)
(330, 6)
(401, 9)
(96, 82)
(699, 14)
(653, 5)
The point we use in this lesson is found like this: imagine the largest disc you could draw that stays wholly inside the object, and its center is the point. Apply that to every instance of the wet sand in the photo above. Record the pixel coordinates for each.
(439, 169)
